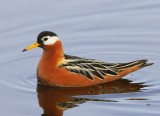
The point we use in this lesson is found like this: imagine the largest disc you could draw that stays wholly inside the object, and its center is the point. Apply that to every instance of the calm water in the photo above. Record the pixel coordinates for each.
(108, 30)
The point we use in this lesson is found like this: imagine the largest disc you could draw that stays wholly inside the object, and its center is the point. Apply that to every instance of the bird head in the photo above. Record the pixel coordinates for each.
(45, 38)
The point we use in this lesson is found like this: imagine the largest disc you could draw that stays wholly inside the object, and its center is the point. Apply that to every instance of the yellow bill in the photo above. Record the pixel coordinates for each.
(34, 45)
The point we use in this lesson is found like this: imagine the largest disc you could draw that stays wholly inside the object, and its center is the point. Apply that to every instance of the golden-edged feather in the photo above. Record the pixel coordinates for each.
(90, 68)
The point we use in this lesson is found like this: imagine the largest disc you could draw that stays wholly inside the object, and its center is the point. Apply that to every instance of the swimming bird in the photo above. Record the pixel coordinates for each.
(58, 69)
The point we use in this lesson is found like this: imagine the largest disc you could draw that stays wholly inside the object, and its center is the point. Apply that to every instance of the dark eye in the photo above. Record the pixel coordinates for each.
(45, 39)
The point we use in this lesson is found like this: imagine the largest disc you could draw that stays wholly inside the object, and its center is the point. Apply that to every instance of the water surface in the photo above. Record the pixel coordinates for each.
(112, 31)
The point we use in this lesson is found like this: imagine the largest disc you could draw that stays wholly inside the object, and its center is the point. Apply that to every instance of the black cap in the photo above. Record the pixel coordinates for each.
(45, 33)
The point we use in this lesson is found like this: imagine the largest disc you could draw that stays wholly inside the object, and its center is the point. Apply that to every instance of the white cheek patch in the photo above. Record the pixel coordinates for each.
(51, 40)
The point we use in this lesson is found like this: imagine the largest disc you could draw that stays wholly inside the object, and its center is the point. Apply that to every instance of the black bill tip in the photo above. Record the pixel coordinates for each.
(24, 50)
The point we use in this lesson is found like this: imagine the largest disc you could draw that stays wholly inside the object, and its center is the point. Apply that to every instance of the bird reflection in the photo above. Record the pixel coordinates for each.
(54, 100)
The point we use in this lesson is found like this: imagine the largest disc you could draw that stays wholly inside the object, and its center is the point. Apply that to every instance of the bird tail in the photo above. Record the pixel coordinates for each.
(126, 68)
(137, 63)
(143, 63)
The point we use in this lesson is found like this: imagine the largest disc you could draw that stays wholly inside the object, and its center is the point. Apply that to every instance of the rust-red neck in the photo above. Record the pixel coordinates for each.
(53, 53)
